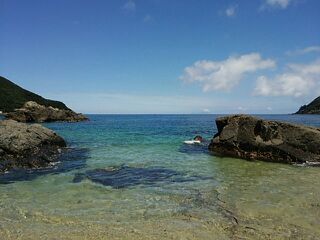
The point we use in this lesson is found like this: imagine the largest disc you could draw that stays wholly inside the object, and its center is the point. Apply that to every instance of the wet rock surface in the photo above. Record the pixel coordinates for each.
(252, 138)
(34, 112)
(124, 176)
(28, 146)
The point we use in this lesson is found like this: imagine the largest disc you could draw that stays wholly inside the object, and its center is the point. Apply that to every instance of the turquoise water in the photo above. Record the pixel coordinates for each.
(201, 196)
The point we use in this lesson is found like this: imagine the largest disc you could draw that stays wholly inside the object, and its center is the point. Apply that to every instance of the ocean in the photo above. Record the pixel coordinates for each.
(132, 177)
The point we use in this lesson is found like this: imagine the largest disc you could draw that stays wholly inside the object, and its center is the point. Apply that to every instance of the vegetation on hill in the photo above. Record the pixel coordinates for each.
(12, 96)
(311, 108)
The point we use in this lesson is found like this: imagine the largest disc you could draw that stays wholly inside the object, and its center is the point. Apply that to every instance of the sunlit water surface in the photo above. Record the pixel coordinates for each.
(198, 196)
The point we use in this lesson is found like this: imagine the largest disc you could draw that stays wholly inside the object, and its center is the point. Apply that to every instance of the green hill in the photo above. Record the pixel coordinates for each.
(12, 96)
(311, 108)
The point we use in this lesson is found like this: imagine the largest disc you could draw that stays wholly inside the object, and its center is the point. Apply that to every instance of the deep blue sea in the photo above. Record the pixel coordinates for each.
(132, 177)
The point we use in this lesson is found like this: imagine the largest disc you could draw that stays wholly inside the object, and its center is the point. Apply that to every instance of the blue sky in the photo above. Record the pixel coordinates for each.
(161, 56)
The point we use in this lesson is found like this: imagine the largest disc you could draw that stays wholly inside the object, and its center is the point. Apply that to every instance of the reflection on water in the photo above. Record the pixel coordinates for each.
(230, 198)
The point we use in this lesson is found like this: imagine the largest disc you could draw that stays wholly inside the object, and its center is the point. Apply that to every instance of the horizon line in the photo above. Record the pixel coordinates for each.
(190, 113)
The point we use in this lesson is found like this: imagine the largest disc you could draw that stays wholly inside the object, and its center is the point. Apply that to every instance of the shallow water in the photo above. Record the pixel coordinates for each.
(195, 196)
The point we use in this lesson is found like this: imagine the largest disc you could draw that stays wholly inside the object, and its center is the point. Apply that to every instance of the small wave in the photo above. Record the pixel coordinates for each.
(308, 164)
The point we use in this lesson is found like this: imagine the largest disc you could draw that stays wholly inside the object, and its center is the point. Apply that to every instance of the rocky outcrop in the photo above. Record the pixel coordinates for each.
(24, 145)
(34, 112)
(252, 138)
(311, 108)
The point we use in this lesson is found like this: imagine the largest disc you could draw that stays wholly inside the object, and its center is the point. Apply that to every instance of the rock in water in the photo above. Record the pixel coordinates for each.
(34, 112)
(24, 145)
(249, 137)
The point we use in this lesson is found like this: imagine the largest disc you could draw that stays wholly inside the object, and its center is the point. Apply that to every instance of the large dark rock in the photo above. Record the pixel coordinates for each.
(252, 138)
(311, 108)
(30, 146)
(34, 112)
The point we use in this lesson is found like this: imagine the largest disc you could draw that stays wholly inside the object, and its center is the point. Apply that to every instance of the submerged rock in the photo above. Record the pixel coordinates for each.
(273, 141)
(124, 176)
(24, 145)
(34, 112)
(71, 159)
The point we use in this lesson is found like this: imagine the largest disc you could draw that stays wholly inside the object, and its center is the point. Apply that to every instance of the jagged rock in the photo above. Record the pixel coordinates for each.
(252, 138)
(311, 108)
(34, 112)
(25, 145)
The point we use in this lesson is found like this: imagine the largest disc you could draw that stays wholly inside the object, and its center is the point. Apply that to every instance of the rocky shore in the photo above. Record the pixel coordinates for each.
(33, 112)
(27, 146)
(252, 138)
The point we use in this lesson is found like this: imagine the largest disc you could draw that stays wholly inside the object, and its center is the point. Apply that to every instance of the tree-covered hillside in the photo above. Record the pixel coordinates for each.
(311, 108)
(12, 96)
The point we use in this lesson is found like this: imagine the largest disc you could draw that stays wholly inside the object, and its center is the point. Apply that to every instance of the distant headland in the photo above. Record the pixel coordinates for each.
(13, 96)
(24, 106)
(311, 108)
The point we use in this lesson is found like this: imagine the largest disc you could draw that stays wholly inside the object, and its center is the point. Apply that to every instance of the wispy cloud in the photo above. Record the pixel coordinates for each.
(129, 103)
(231, 11)
(299, 80)
(306, 50)
(147, 18)
(224, 75)
(282, 4)
(133, 103)
(130, 5)
(241, 109)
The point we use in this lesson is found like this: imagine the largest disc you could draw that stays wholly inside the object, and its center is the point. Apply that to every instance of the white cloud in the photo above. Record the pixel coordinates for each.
(273, 4)
(304, 51)
(312, 68)
(206, 110)
(283, 85)
(231, 11)
(278, 3)
(130, 6)
(299, 80)
(224, 75)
